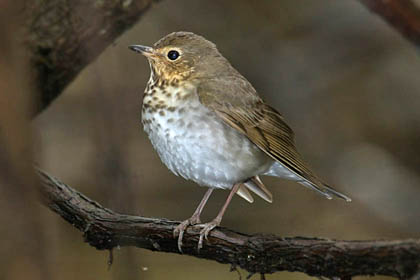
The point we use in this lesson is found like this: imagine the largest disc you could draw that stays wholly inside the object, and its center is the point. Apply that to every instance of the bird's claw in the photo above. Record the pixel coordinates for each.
(179, 232)
(180, 229)
(204, 233)
(194, 220)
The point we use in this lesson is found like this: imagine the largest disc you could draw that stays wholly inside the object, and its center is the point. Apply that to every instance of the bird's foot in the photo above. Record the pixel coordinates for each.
(180, 229)
(207, 227)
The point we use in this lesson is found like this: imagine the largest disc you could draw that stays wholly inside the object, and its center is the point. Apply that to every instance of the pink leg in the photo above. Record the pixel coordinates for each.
(195, 219)
(216, 222)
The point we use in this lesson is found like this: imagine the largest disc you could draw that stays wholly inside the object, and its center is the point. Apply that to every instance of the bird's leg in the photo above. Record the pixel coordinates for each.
(207, 227)
(195, 219)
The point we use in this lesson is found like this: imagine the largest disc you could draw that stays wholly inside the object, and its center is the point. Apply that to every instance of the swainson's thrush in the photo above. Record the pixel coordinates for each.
(208, 125)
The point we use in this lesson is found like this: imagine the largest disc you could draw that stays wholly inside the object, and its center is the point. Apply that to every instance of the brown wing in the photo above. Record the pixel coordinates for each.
(265, 127)
(243, 110)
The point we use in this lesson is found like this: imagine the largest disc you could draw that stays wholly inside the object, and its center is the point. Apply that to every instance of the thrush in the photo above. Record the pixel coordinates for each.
(209, 125)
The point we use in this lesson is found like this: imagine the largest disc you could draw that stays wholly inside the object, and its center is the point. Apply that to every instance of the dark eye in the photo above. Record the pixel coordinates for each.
(172, 55)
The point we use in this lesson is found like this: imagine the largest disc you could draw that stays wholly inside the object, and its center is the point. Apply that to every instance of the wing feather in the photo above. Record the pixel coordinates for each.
(261, 124)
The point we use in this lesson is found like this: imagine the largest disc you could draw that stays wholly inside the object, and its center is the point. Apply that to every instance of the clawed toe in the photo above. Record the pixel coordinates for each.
(179, 232)
(205, 232)
(195, 219)
(180, 229)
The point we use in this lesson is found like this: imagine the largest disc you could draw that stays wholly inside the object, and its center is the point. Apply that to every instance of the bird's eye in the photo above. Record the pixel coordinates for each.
(173, 55)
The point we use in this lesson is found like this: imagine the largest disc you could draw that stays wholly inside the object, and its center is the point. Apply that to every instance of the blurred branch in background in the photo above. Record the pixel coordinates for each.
(259, 253)
(403, 15)
(65, 36)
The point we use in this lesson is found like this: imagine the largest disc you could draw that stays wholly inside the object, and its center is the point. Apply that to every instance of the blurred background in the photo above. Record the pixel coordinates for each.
(346, 82)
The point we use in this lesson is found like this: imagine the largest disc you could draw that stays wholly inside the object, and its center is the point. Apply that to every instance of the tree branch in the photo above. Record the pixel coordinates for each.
(64, 36)
(403, 15)
(258, 253)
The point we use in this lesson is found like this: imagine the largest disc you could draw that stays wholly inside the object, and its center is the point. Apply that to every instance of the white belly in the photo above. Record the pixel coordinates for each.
(195, 144)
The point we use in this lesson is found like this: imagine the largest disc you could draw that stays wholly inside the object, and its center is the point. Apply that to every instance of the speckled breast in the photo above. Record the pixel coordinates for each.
(194, 143)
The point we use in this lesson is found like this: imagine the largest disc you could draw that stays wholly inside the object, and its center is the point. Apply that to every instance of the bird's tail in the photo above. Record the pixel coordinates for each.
(324, 190)
(308, 180)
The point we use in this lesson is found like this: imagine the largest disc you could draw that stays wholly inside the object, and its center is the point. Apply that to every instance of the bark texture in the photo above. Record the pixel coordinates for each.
(258, 253)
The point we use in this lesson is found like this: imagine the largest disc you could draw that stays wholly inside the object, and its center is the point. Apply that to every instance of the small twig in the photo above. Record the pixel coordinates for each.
(110, 258)
(250, 275)
(234, 268)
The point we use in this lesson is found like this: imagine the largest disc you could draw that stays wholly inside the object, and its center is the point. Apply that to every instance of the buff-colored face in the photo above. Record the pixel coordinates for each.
(179, 55)
(171, 62)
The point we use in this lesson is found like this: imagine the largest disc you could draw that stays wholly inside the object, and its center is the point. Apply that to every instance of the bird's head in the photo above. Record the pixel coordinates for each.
(181, 56)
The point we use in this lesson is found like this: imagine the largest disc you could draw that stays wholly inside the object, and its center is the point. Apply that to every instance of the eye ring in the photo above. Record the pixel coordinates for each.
(173, 55)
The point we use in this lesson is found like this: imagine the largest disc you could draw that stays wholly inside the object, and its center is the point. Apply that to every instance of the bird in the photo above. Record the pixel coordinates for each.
(209, 125)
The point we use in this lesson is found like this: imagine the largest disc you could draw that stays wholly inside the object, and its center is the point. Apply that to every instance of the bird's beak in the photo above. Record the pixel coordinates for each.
(146, 51)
